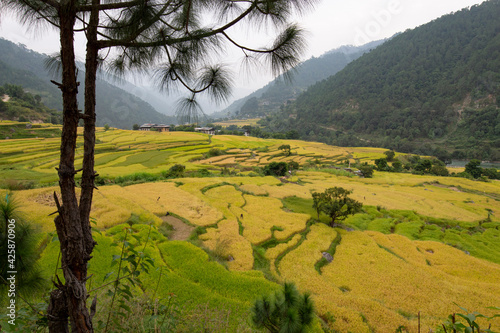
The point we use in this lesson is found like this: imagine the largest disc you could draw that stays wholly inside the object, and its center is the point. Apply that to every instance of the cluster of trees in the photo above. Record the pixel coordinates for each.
(26, 106)
(17, 92)
(473, 170)
(280, 169)
(230, 130)
(182, 128)
(3, 106)
(176, 128)
(255, 131)
(459, 147)
(411, 163)
(260, 131)
(421, 166)
(287, 150)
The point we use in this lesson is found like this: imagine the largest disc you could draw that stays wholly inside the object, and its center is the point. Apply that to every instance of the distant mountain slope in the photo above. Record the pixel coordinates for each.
(274, 94)
(17, 104)
(115, 106)
(438, 84)
(27, 79)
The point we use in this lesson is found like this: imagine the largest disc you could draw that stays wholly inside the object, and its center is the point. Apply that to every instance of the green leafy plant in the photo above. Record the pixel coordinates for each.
(287, 310)
(131, 263)
(29, 318)
(453, 324)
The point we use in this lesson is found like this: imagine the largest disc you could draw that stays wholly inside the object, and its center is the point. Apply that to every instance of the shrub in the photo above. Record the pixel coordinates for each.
(293, 165)
(390, 155)
(398, 166)
(381, 164)
(202, 173)
(473, 168)
(137, 177)
(366, 170)
(440, 171)
(16, 185)
(278, 169)
(214, 152)
(285, 311)
(176, 171)
(286, 149)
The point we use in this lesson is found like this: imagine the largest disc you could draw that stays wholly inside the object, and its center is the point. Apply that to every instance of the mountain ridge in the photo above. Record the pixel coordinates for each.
(270, 97)
(432, 88)
(115, 106)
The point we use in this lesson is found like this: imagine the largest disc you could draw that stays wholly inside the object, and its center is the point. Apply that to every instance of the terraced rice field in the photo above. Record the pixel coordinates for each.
(421, 244)
(237, 122)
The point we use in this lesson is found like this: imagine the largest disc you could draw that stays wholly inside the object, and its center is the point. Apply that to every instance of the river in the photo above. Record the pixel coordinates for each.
(462, 163)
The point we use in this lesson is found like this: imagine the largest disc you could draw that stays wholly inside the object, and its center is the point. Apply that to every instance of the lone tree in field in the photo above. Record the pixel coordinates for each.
(286, 149)
(335, 203)
(167, 36)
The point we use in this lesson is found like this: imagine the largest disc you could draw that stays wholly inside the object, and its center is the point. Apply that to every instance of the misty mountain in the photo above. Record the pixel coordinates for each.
(115, 106)
(279, 91)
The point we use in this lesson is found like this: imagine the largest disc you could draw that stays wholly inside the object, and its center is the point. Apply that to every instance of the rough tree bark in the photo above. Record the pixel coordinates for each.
(87, 183)
(73, 231)
(58, 312)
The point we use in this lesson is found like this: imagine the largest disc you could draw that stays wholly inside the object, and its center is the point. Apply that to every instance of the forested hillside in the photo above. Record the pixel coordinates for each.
(17, 104)
(115, 106)
(434, 89)
(270, 97)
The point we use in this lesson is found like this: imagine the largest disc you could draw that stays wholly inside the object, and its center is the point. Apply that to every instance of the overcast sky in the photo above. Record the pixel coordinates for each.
(331, 24)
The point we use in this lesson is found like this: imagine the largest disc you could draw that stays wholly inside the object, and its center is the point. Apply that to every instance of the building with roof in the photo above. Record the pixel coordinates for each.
(206, 130)
(155, 127)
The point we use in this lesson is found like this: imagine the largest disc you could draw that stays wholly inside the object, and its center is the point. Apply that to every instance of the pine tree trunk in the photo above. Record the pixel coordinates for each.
(58, 312)
(88, 173)
(69, 226)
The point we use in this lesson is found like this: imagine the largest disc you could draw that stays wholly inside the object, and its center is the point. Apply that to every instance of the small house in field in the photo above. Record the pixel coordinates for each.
(155, 127)
(161, 128)
(206, 130)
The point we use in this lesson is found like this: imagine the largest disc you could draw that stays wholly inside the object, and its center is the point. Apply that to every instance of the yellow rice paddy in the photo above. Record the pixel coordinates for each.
(376, 281)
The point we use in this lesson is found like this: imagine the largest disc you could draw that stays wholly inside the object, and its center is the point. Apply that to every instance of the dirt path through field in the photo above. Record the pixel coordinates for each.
(181, 229)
